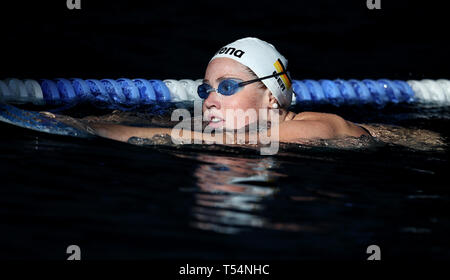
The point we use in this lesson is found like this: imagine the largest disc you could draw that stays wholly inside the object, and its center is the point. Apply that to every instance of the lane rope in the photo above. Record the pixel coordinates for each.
(131, 92)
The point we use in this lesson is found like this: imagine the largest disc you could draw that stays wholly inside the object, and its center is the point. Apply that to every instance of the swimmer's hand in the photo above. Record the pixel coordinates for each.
(74, 122)
(48, 114)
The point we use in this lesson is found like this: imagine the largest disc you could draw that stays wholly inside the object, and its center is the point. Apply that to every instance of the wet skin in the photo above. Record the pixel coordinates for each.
(292, 126)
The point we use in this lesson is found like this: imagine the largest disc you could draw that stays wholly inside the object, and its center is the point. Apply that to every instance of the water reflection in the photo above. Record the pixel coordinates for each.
(231, 194)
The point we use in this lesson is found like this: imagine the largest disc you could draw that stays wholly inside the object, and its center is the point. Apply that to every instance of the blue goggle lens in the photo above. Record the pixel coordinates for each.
(203, 90)
(226, 87)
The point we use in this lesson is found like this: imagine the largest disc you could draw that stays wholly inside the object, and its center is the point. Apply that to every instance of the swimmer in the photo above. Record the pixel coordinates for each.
(248, 74)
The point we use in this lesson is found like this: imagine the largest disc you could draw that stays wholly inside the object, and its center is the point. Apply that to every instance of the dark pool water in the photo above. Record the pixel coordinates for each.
(121, 201)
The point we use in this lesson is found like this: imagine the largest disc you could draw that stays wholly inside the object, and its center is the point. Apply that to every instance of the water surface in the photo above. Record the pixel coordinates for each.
(122, 201)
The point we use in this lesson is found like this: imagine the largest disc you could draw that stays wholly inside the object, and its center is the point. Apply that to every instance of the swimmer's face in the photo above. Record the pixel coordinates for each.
(218, 109)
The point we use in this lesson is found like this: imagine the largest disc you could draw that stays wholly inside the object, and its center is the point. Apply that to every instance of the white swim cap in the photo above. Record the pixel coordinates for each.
(263, 59)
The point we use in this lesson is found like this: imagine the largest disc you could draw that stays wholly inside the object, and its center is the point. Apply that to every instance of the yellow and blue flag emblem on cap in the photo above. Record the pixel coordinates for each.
(285, 78)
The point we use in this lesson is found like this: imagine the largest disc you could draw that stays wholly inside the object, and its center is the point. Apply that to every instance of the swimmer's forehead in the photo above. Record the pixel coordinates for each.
(228, 76)
(229, 69)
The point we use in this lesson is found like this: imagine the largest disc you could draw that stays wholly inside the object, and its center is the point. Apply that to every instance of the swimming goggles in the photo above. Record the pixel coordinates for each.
(229, 86)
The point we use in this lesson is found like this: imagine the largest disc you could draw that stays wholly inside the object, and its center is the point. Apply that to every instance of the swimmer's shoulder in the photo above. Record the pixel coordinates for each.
(308, 116)
(340, 125)
(311, 116)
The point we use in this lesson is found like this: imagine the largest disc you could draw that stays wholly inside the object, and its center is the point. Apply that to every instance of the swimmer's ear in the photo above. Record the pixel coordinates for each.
(272, 99)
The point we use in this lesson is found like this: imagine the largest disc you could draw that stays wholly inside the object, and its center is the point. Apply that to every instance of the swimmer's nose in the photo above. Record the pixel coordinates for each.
(213, 100)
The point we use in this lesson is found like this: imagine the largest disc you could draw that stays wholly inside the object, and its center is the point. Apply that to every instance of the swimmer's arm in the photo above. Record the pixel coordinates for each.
(324, 126)
(123, 133)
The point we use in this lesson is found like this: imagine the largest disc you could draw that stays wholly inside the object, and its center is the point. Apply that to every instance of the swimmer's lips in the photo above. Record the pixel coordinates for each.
(215, 124)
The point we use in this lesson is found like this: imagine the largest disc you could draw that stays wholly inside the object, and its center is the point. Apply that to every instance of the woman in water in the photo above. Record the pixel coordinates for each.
(248, 75)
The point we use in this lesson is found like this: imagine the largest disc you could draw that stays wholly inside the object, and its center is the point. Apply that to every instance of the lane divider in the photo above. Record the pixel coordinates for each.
(130, 92)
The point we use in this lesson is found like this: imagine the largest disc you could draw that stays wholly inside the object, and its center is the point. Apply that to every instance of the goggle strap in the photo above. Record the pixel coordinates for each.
(263, 78)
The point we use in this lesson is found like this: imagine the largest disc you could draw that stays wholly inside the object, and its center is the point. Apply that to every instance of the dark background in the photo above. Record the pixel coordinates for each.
(176, 39)
(121, 201)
